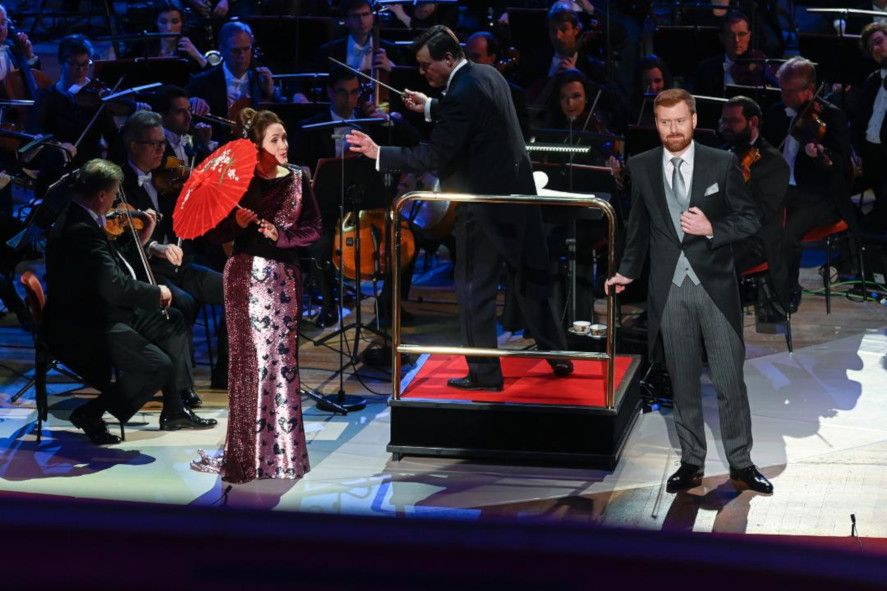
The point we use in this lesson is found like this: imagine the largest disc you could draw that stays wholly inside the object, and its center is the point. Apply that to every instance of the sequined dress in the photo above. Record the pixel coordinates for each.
(263, 301)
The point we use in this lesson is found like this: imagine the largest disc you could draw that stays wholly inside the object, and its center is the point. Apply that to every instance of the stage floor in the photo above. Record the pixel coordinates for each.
(820, 429)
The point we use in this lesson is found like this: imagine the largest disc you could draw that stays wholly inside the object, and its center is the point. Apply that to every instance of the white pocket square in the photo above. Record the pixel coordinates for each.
(712, 189)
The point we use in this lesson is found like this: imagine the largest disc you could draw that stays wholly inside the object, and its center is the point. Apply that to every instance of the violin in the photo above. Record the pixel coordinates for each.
(752, 69)
(90, 97)
(808, 126)
(751, 156)
(171, 176)
(117, 220)
(509, 61)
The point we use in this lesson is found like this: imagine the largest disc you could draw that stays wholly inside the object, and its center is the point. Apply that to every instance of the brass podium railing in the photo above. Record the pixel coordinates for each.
(574, 201)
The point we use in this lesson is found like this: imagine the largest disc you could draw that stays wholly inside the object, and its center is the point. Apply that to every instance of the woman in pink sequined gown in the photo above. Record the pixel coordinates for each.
(263, 305)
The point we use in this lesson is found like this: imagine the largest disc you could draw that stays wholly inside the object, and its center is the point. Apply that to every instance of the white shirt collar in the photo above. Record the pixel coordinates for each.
(459, 65)
(688, 156)
(229, 76)
(98, 219)
(336, 117)
(791, 112)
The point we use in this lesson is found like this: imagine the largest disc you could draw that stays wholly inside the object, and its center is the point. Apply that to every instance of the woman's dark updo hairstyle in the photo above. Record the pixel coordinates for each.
(254, 123)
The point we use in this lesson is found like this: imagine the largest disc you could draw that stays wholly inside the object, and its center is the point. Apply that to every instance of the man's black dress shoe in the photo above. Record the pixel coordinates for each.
(186, 420)
(752, 479)
(469, 383)
(687, 476)
(561, 367)
(94, 428)
(191, 399)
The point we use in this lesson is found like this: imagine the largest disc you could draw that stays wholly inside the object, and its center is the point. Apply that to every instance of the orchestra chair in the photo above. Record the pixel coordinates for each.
(753, 277)
(830, 234)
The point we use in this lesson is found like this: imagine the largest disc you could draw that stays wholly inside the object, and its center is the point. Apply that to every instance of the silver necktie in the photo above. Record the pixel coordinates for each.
(677, 182)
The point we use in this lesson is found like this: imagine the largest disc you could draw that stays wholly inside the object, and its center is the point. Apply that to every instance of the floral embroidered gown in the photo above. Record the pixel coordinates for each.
(263, 306)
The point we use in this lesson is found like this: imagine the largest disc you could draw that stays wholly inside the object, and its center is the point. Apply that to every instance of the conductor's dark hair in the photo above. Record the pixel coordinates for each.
(750, 108)
(97, 175)
(137, 123)
(338, 74)
(866, 35)
(440, 41)
(492, 42)
(166, 95)
(562, 12)
(74, 45)
(734, 16)
(348, 5)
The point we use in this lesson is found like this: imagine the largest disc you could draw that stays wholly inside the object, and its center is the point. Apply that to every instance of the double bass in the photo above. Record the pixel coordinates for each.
(22, 84)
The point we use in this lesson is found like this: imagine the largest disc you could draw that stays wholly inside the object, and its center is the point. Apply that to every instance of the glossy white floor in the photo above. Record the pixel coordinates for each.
(820, 428)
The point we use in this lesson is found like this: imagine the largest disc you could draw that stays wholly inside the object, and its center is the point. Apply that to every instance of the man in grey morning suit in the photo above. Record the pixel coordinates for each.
(689, 202)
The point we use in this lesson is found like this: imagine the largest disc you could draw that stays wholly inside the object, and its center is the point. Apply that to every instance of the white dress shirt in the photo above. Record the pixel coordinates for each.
(359, 57)
(178, 144)
(237, 88)
(873, 131)
(147, 185)
(689, 156)
(728, 71)
(791, 147)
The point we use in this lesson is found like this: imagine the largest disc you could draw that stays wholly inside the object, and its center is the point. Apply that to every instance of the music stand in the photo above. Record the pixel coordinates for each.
(140, 71)
(708, 110)
(683, 48)
(765, 96)
(353, 184)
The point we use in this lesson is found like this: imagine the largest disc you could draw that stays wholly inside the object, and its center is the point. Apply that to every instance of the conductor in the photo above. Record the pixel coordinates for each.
(476, 147)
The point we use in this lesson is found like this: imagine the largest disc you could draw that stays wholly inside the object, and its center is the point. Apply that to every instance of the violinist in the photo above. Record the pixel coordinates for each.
(192, 285)
(868, 126)
(766, 174)
(16, 53)
(174, 106)
(815, 142)
(716, 72)
(357, 49)
(482, 47)
(237, 79)
(101, 316)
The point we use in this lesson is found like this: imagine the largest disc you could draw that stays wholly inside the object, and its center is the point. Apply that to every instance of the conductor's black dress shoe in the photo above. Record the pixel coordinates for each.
(687, 476)
(469, 383)
(751, 479)
(186, 420)
(94, 427)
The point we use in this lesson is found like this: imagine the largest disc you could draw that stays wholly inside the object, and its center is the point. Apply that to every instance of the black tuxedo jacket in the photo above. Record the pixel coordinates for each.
(768, 183)
(210, 86)
(476, 146)
(336, 49)
(650, 230)
(860, 121)
(138, 197)
(88, 289)
(709, 79)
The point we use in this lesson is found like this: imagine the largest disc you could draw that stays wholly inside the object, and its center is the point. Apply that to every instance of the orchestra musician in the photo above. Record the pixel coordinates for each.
(818, 156)
(99, 315)
(345, 96)
(689, 204)
(168, 17)
(174, 106)
(476, 147)
(652, 77)
(356, 49)
(192, 285)
(717, 71)
(15, 53)
(868, 126)
(766, 174)
(236, 79)
(425, 16)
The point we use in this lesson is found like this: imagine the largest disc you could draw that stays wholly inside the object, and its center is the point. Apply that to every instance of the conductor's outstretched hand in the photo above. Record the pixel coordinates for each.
(363, 144)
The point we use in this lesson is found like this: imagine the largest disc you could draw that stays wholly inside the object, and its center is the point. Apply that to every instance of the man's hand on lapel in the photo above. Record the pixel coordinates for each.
(694, 222)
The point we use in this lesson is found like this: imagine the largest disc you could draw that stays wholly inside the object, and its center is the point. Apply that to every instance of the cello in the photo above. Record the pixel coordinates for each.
(21, 84)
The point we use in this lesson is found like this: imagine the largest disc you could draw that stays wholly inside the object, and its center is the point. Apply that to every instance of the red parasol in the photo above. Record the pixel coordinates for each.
(214, 188)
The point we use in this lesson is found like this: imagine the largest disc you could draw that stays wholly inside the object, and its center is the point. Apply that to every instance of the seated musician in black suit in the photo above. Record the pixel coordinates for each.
(868, 126)
(766, 174)
(311, 145)
(356, 48)
(100, 316)
(192, 285)
(819, 191)
(236, 79)
(717, 71)
(174, 107)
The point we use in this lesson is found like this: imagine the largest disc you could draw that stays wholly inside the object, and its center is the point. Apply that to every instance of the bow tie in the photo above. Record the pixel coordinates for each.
(791, 112)
(144, 178)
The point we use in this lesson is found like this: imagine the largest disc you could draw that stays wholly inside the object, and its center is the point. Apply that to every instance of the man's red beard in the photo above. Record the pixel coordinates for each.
(676, 143)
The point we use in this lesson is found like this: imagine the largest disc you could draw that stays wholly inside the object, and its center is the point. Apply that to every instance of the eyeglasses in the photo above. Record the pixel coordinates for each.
(79, 65)
(159, 145)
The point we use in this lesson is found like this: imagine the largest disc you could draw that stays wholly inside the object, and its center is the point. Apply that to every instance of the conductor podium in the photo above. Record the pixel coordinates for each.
(582, 420)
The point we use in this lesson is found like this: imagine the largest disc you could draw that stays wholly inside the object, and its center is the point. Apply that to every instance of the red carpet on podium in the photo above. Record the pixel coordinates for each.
(527, 381)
